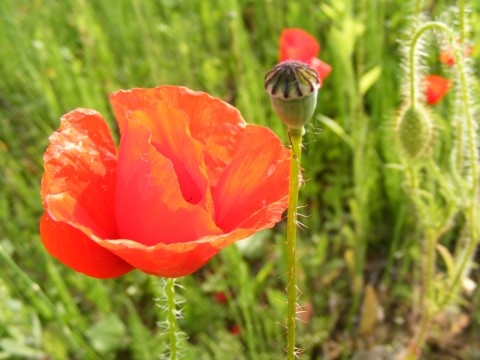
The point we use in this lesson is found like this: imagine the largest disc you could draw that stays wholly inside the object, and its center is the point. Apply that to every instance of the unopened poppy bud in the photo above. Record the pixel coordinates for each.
(414, 130)
(293, 88)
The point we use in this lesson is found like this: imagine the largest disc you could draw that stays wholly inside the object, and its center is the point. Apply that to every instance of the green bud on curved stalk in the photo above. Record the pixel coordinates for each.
(414, 131)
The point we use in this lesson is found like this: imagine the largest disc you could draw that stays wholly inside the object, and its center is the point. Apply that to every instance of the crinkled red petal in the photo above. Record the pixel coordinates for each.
(78, 188)
(215, 124)
(170, 135)
(150, 207)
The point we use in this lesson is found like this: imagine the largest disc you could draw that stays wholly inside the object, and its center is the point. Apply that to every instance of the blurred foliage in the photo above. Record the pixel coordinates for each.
(360, 228)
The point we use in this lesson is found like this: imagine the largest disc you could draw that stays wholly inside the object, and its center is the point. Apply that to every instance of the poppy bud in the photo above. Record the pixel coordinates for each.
(293, 88)
(414, 130)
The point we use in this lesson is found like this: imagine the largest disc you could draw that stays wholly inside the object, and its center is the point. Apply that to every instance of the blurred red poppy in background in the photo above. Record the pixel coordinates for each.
(436, 88)
(447, 56)
(189, 178)
(297, 44)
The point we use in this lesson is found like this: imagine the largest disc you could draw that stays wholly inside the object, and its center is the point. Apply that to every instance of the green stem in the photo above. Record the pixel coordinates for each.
(461, 19)
(418, 7)
(412, 55)
(428, 266)
(414, 349)
(295, 160)
(172, 317)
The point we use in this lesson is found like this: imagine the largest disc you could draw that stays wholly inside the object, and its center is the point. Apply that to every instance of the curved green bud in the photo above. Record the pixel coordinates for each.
(293, 88)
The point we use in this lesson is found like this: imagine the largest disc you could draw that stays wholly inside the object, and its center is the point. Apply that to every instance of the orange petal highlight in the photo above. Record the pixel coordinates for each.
(436, 89)
(252, 192)
(297, 44)
(150, 207)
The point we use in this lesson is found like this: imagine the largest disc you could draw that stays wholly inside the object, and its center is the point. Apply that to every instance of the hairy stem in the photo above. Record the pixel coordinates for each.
(296, 142)
(172, 317)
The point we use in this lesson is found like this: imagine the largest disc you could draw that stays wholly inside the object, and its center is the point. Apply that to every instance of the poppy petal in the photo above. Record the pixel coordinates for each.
(173, 260)
(447, 57)
(78, 188)
(437, 87)
(322, 68)
(297, 44)
(150, 207)
(252, 191)
(214, 123)
(80, 173)
(217, 125)
(73, 248)
(170, 135)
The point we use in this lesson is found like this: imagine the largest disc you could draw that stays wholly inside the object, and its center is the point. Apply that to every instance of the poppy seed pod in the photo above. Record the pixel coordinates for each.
(293, 88)
(414, 130)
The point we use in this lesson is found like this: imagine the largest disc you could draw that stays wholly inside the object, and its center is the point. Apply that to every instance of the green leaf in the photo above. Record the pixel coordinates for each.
(369, 79)
(447, 258)
(337, 129)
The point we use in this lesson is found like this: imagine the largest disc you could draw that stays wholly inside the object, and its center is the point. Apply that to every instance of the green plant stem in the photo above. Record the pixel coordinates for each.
(415, 347)
(461, 19)
(428, 266)
(172, 317)
(418, 7)
(413, 52)
(295, 160)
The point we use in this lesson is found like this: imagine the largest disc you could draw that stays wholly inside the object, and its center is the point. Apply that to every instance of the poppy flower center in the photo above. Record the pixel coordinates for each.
(189, 188)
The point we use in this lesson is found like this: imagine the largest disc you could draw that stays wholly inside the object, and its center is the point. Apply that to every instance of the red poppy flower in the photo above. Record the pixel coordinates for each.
(190, 177)
(436, 89)
(297, 44)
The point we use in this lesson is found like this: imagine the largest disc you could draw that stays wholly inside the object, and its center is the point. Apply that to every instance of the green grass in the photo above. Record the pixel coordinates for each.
(59, 55)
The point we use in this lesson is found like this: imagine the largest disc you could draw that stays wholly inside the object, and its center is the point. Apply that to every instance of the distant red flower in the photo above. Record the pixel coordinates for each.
(235, 329)
(436, 88)
(448, 58)
(297, 44)
(190, 177)
(221, 297)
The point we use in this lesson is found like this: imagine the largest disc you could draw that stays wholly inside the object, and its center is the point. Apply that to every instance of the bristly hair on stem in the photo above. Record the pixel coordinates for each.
(172, 310)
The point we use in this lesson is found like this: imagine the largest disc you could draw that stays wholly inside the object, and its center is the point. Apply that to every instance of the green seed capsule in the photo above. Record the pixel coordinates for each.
(293, 88)
(414, 130)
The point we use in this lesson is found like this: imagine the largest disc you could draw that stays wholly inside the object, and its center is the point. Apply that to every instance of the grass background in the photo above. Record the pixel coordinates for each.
(360, 228)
